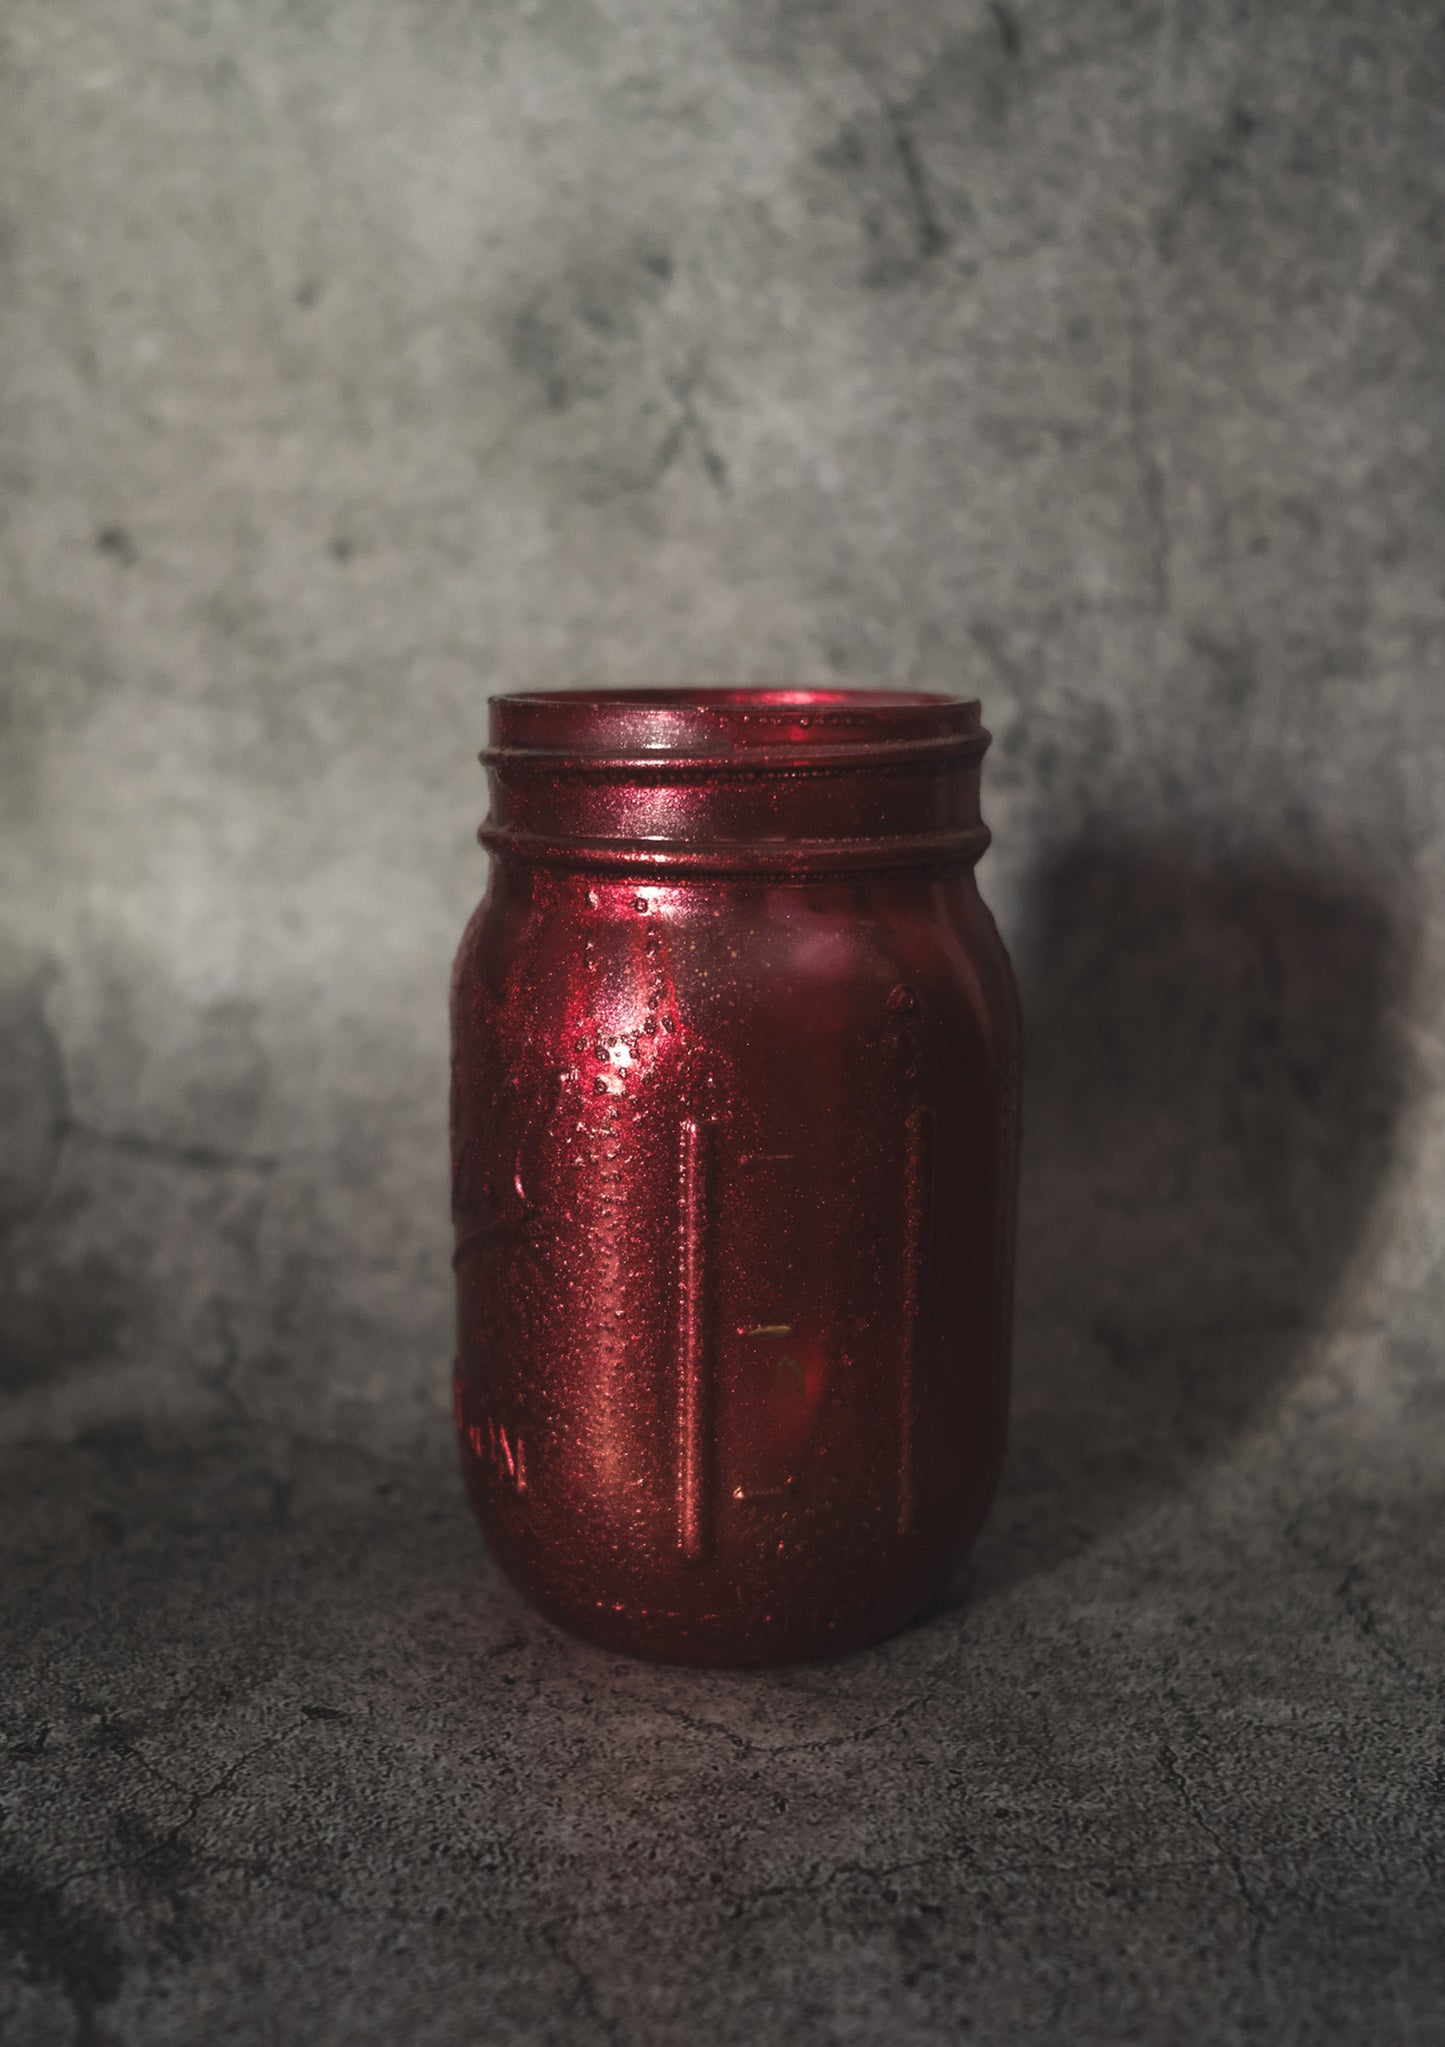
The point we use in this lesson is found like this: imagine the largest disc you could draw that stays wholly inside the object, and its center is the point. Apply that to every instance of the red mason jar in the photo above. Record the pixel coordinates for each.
(734, 1121)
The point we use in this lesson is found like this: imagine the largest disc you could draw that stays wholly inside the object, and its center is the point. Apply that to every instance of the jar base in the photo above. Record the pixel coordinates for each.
(685, 1642)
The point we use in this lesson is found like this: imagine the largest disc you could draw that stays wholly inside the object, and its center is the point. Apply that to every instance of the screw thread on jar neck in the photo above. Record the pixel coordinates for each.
(737, 780)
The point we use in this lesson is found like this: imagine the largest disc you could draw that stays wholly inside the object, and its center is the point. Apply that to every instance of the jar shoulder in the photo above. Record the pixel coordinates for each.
(798, 964)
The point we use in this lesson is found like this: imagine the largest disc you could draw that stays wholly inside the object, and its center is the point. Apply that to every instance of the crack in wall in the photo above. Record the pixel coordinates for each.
(930, 236)
(1153, 476)
(203, 1158)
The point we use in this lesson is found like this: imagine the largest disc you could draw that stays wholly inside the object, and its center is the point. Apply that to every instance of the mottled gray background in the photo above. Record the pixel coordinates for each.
(360, 356)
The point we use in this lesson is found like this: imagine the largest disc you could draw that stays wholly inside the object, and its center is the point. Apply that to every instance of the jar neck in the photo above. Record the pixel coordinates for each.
(736, 781)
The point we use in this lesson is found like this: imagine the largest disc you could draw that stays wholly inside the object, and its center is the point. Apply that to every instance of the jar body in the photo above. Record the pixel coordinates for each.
(733, 1177)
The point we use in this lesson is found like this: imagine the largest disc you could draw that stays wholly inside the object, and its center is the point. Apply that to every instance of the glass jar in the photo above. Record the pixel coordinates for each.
(734, 1124)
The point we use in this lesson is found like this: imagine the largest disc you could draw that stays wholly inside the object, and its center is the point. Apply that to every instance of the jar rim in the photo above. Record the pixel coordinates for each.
(694, 723)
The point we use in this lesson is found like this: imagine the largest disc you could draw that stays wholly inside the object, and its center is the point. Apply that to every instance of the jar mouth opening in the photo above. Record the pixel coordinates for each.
(698, 722)
(705, 694)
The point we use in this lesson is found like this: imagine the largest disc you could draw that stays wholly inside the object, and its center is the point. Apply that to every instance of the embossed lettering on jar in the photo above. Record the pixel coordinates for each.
(735, 1070)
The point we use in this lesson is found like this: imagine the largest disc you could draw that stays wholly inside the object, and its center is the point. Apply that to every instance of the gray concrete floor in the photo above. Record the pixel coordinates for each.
(359, 358)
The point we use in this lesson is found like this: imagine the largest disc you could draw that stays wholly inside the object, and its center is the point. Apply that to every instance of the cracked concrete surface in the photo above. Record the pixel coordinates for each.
(358, 359)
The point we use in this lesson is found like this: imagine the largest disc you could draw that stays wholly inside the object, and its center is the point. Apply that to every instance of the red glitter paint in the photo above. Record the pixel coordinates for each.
(734, 1112)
